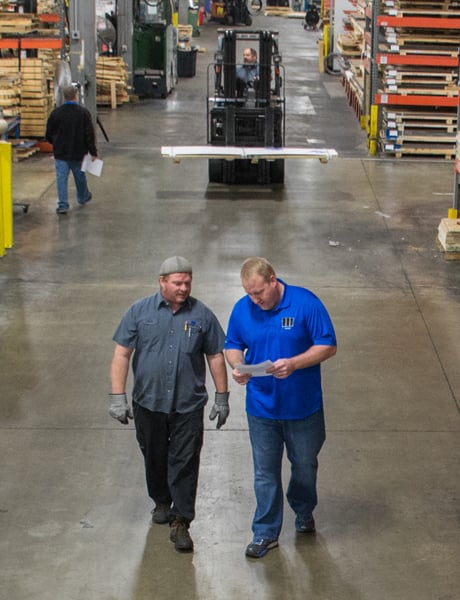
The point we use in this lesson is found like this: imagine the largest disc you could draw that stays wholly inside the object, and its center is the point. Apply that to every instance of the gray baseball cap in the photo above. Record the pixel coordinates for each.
(175, 264)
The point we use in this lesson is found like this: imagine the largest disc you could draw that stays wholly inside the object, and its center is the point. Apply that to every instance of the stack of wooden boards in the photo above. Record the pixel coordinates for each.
(27, 86)
(415, 46)
(449, 238)
(111, 81)
(17, 23)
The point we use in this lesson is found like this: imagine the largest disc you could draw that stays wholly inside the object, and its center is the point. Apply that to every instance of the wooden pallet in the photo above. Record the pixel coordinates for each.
(111, 81)
(417, 150)
(23, 148)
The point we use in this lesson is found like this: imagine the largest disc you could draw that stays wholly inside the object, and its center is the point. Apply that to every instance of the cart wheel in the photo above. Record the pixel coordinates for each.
(25, 208)
(277, 171)
(216, 170)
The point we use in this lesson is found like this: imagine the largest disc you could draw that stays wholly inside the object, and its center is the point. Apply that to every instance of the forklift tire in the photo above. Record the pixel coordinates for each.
(216, 170)
(248, 20)
(277, 171)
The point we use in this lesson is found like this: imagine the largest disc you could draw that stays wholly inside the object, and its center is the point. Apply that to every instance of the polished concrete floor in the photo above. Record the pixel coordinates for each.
(358, 231)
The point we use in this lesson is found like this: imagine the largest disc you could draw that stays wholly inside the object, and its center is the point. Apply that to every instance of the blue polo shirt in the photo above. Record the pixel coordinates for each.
(169, 364)
(298, 322)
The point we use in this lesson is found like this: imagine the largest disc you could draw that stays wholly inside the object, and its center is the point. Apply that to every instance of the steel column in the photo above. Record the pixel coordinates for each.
(83, 51)
(125, 34)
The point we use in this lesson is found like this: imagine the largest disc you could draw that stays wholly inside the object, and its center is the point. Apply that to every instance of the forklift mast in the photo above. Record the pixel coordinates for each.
(269, 59)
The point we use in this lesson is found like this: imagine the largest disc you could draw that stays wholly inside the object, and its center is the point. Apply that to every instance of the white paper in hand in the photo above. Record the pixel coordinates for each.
(94, 167)
(259, 370)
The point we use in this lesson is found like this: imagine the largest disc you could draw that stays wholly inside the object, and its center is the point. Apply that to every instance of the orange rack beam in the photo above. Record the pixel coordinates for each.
(416, 100)
(418, 22)
(48, 18)
(30, 43)
(417, 59)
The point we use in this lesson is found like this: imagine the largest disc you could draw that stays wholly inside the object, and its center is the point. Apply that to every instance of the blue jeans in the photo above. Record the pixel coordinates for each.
(303, 439)
(63, 167)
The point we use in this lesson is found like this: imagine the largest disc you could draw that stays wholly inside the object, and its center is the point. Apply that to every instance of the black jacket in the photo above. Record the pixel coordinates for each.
(70, 130)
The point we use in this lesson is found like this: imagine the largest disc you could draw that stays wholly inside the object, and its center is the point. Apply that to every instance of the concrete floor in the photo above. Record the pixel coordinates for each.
(74, 514)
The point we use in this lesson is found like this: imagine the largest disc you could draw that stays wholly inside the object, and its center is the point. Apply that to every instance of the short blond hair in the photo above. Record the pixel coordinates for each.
(257, 265)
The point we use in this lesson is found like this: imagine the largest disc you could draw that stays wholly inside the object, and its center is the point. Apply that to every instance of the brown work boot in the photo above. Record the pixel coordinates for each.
(160, 514)
(180, 536)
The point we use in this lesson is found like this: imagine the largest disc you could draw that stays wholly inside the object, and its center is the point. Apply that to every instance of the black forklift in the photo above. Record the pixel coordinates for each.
(231, 12)
(243, 115)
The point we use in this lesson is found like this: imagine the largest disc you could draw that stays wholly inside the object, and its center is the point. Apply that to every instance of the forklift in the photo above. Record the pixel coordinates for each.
(239, 114)
(154, 48)
(246, 113)
(231, 12)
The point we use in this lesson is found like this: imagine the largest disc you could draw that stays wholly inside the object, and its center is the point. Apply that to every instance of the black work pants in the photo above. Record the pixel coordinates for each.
(171, 445)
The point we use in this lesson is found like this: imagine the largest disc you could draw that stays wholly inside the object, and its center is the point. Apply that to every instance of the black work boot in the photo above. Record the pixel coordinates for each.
(180, 536)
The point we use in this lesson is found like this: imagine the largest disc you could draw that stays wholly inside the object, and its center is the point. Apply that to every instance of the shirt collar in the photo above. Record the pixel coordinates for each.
(162, 302)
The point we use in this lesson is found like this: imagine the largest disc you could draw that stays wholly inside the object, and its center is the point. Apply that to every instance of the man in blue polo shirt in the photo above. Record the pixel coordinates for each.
(290, 327)
(171, 336)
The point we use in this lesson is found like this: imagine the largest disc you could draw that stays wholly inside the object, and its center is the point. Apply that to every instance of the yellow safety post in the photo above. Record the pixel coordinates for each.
(2, 240)
(6, 197)
(326, 39)
(373, 129)
(452, 213)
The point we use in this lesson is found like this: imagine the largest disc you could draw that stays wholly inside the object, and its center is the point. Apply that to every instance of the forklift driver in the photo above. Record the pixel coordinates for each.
(247, 74)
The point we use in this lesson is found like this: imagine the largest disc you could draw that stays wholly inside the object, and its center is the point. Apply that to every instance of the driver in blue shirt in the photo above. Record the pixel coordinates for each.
(247, 74)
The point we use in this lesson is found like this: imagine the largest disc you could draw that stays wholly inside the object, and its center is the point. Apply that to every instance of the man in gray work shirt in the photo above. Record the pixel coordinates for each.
(171, 335)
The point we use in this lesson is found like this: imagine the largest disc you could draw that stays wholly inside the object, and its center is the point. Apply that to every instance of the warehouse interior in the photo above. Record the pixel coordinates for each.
(359, 230)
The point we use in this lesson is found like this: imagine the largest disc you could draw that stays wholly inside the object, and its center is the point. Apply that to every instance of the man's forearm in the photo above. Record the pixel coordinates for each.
(234, 357)
(119, 373)
(218, 370)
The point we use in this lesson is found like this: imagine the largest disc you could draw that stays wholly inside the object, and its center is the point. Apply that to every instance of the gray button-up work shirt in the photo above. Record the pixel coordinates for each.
(169, 360)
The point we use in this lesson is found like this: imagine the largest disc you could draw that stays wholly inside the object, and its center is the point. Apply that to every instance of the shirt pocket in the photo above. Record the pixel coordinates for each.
(192, 338)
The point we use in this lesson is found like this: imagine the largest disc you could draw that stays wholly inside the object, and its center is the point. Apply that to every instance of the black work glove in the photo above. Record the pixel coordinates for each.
(221, 409)
(119, 408)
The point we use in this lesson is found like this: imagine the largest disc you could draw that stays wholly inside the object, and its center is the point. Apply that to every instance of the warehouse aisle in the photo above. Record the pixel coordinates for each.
(359, 232)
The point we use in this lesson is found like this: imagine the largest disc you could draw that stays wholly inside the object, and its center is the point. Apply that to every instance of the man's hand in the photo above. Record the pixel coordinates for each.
(221, 409)
(119, 408)
(282, 368)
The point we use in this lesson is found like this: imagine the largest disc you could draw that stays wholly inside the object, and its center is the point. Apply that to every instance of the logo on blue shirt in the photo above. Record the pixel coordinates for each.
(287, 322)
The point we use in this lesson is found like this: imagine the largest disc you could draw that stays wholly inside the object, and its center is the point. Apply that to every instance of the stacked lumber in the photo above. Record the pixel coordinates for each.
(37, 100)
(350, 44)
(449, 238)
(111, 81)
(48, 6)
(413, 131)
(10, 91)
(17, 22)
(283, 11)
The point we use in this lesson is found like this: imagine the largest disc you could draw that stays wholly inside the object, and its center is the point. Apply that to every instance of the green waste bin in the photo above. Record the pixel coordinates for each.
(186, 62)
(192, 20)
